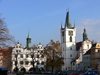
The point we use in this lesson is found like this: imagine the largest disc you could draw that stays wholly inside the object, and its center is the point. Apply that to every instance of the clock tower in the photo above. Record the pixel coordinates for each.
(68, 43)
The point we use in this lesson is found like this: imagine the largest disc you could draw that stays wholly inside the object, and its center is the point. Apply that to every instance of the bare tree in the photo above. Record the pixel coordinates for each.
(5, 38)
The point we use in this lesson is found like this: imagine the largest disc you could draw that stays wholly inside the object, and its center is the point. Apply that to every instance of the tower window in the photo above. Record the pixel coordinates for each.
(63, 33)
(71, 55)
(70, 38)
(71, 48)
(63, 39)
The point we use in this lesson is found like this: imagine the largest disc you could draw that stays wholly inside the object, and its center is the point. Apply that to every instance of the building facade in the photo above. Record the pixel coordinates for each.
(25, 58)
(68, 43)
(95, 55)
(87, 60)
(5, 58)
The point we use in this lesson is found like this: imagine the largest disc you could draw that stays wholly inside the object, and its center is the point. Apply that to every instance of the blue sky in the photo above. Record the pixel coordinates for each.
(44, 18)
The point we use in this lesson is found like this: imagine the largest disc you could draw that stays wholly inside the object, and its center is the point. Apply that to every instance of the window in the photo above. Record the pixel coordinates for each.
(19, 50)
(71, 48)
(70, 38)
(16, 50)
(21, 62)
(63, 33)
(42, 63)
(26, 56)
(87, 46)
(6, 63)
(31, 62)
(41, 51)
(71, 55)
(6, 58)
(37, 62)
(0, 58)
(0, 63)
(26, 62)
(16, 46)
(21, 56)
(63, 39)
(37, 56)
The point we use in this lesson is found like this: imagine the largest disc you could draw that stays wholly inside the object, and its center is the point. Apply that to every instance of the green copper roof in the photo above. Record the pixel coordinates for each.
(85, 35)
(68, 21)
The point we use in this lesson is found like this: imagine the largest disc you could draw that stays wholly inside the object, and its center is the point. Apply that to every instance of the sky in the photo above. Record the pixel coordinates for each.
(43, 19)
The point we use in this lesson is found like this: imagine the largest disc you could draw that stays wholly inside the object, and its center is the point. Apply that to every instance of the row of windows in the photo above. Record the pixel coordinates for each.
(6, 63)
(36, 56)
(27, 62)
(87, 57)
(34, 51)
(6, 58)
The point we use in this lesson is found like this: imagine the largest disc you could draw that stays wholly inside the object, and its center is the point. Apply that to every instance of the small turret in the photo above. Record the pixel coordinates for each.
(85, 35)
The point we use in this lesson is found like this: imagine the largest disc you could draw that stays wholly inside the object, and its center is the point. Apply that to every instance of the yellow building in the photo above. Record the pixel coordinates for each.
(95, 55)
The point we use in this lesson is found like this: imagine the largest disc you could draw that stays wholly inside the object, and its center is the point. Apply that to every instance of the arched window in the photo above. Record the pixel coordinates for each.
(70, 38)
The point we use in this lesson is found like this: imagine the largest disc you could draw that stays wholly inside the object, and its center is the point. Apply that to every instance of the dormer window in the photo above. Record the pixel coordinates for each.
(16, 46)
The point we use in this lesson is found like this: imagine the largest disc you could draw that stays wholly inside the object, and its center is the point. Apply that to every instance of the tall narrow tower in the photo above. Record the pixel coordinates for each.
(85, 35)
(68, 43)
(28, 40)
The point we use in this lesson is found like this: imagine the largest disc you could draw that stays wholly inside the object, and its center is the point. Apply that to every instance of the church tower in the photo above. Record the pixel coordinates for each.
(68, 42)
(85, 35)
(28, 41)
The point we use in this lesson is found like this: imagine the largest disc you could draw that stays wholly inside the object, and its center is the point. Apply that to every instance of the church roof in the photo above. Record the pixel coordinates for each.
(68, 21)
(78, 45)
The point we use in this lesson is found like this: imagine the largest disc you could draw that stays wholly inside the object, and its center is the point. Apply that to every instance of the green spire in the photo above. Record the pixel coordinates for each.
(28, 34)
(85, 35)
(68, 21)
(28, 40)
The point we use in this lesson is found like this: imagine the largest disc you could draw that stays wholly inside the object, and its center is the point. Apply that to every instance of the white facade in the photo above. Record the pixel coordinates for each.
(24, 57)
(86, 45)
(68, 47)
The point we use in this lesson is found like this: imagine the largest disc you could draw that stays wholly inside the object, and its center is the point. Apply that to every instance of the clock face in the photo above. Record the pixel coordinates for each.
(71, 33)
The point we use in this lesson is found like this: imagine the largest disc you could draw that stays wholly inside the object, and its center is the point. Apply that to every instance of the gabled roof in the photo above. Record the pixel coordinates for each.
(88, 52)
(78, 45)
(93, 45)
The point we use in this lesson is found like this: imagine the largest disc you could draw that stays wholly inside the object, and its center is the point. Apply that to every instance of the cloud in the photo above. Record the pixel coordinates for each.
(92, 28)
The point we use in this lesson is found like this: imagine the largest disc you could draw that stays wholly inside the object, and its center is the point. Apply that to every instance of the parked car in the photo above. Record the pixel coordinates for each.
(64, 72)
(92, 72)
